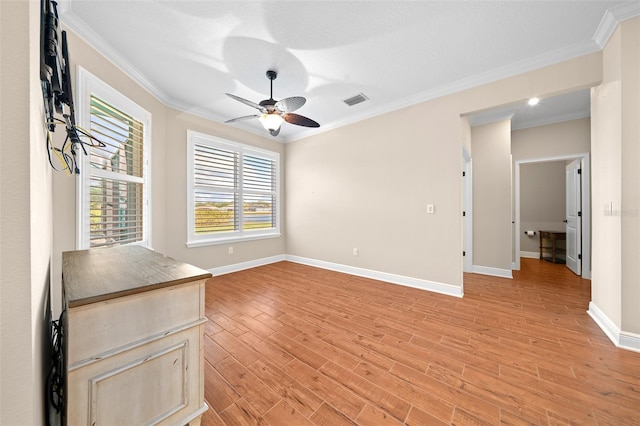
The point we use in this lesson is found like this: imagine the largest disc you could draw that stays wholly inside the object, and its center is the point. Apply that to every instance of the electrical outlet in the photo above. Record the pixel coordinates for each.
(230, 250)
(356, 252)
(431, 208)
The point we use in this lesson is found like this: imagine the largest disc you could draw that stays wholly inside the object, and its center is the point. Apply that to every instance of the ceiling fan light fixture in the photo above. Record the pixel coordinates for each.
(274, 113)
(271, 121)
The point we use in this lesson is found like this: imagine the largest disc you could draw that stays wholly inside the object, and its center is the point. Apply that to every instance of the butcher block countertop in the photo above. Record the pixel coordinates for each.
(98, 275)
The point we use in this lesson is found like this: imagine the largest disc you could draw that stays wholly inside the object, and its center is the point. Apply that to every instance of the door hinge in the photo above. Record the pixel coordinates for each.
(579, 171)
(579, 214)
(464, 174)
(464, 253)
(464, 213)
(580, 257)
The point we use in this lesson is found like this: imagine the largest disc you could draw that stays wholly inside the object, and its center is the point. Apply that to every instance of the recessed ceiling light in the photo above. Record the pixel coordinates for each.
(533, 101)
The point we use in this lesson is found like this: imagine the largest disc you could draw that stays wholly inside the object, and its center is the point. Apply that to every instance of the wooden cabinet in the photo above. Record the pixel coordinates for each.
(134, 327)
(552, 246)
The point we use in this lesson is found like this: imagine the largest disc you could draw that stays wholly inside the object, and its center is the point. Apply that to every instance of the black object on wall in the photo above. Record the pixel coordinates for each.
(55, 76)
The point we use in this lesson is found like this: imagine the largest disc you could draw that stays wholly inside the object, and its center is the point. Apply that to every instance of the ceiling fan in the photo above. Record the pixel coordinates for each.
(274, 113)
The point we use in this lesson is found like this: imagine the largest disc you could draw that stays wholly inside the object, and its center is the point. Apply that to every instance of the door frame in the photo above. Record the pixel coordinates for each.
(467, 207)
(585, 166)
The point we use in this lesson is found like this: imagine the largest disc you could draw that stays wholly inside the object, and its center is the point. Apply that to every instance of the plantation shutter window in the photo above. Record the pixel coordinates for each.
(216, 190)
(116, 202)
(114, 209)
(259, 192)
(233, 193)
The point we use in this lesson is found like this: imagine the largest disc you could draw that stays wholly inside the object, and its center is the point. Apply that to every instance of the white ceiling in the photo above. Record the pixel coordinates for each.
(190, 53)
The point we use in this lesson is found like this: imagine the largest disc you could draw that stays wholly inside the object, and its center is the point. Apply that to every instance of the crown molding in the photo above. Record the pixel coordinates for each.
(612, 17)
(520, 67)
(609, 22)
(86, 33)
(89, 36)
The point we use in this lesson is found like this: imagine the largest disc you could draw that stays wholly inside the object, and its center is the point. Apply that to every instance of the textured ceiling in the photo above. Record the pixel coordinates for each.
(190, 53)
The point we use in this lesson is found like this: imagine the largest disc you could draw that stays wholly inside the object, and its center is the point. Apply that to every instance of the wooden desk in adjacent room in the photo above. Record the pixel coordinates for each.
(550, 250)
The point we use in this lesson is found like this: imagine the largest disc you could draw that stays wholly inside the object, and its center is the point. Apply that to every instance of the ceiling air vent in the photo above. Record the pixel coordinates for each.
(354, 100)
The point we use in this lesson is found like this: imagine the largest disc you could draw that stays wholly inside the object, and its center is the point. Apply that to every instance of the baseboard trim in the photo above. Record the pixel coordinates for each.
(221, 270)
(610, 329)
(629, 341)
(621, 339)
(530, 254)
(436, 287)
(494, 272)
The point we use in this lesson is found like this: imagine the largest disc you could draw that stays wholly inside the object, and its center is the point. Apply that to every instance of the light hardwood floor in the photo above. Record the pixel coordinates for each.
(288, 344)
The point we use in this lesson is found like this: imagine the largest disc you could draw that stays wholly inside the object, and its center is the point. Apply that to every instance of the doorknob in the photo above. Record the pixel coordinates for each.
(565, 221)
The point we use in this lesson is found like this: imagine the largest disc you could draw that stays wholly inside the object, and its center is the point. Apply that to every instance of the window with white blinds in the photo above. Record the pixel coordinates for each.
(233, 191)
(114, 205)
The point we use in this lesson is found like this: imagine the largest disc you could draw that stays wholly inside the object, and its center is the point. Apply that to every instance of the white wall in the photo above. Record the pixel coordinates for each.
(367, 185)
(606, 292)
(631, 177)
(552, 140)
(25, 219)
(616, 186)
(492, 228)
(466, 133)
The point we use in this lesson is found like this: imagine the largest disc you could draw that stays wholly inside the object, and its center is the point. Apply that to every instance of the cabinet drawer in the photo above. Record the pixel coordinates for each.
(102, 327)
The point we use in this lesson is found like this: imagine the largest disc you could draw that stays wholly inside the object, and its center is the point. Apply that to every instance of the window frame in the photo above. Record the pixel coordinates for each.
(194, 240)
(90, 85)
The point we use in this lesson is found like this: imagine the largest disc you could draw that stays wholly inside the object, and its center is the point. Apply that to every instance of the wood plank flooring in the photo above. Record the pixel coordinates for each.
(288, 344)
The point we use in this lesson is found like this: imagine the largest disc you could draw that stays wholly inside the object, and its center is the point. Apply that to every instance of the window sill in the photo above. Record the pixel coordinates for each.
(227, 240)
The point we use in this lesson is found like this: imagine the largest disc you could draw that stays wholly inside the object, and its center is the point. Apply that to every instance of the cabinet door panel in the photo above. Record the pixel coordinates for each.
(160, 380)
(158, 383)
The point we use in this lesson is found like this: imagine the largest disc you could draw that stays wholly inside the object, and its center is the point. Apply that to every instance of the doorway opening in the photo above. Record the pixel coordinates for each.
(584, 208)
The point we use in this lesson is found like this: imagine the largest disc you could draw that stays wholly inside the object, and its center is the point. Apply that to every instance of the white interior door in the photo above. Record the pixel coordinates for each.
(574, 216)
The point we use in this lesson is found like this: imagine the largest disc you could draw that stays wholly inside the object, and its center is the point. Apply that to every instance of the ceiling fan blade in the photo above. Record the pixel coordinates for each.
(247, 102)
(299, 120)
(290, 104)
(246, 117)
(275, 132)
